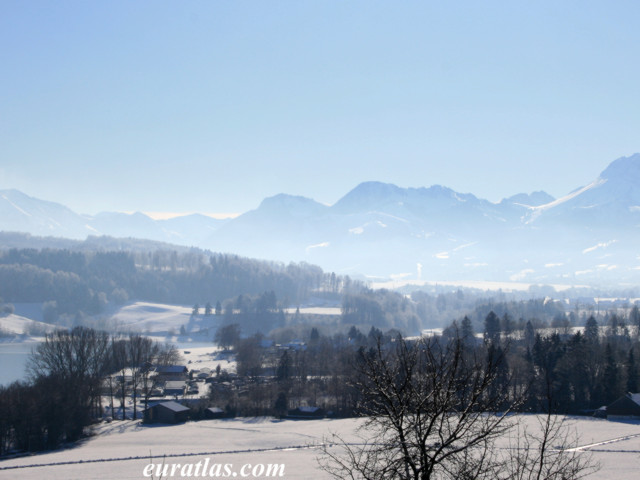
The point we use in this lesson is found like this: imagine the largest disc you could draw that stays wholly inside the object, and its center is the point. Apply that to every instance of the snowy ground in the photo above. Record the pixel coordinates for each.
(18, 325)
(159, 321)
(486, 285)
(152, 318)
(315, 310)
(209, 357)
(121, 450)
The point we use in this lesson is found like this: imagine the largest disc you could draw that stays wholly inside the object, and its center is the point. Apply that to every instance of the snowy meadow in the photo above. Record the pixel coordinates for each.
(123, 450)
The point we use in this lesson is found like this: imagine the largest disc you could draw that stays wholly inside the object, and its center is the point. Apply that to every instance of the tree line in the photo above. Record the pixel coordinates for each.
(86, 281)
(69, 375)
(75, 375)
(581, 368)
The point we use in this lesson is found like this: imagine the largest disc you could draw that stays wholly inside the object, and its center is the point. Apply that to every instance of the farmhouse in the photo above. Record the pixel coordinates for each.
(166, 412)
(306, 413)
(214, 412)
(626, 407)
(175, 388)
(172, 373)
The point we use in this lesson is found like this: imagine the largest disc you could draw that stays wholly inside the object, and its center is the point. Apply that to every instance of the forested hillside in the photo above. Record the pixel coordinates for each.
(72, 281)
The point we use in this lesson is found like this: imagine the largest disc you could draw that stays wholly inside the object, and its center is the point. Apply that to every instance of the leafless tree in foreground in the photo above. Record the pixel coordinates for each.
(545, 450)
(435, 410)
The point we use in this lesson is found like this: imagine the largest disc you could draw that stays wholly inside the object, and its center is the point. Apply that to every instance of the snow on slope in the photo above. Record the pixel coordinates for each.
(152, 317)
(18, 325)
(122, 449)
(537, 211)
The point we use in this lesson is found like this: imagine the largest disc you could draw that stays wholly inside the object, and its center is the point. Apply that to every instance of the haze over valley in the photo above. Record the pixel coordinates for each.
(382, 231)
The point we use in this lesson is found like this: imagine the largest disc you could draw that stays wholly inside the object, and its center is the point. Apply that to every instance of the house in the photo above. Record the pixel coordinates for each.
(214, 412)
(172, 373)
(624, 408)
(175, 388)
(306, 413)
(166, 412)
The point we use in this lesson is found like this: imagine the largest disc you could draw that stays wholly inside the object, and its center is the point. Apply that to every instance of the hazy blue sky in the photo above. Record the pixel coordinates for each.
(213, 105)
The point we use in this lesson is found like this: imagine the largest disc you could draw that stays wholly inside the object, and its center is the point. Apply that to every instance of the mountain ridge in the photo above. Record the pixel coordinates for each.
(379, 228)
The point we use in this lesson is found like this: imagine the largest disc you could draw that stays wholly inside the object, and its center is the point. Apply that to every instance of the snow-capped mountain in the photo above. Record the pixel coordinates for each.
(611, 201)
(22, 213)
(588, 236)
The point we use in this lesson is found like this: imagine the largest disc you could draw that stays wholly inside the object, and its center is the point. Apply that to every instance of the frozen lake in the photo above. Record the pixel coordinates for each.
(13, 359)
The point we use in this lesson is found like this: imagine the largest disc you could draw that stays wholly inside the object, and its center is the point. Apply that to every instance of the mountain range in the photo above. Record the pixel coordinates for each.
(589, 236)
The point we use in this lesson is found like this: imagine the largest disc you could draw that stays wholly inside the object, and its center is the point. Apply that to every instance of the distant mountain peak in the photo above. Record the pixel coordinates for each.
(286, 199)
(293, 204)
(368, 195)
(534, 199)
(374, 189)
(625, 169)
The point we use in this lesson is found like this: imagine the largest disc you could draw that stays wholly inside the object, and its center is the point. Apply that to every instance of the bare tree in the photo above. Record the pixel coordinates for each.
(119, 361)
(228, 336)
(168, 354)
(142, 352)
(72, 363)
(546, 449)
(435, 409)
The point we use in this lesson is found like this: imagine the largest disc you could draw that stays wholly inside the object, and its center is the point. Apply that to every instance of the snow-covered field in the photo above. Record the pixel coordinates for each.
(18, 325)
(209, 357)
(153, 318)
(121, 450)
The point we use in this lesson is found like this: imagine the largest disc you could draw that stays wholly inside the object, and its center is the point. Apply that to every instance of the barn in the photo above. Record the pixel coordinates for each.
(626, 407)
(166, 412)
(307, 413)
(214, 412)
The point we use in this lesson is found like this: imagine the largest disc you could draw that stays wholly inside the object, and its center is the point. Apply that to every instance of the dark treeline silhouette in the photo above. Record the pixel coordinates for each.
(581, 369)
(437, 408)
(68, 375)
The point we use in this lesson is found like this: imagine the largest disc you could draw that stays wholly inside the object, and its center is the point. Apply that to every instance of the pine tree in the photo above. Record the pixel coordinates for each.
(632, 373)
(529, 334)
(468, 335)
(634, 318)
(611, 381)
(492, 328)
(591, 331)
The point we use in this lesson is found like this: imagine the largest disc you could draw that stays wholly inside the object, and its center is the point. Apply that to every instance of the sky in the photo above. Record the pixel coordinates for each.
(212, 106)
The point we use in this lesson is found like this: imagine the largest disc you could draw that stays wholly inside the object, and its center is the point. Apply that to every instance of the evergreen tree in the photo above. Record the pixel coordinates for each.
(492, 328)
(591, 330)
(611, 382)
(314, 336)
(507, 323)
(283, 371)
(529, 334)
(632, 373)
(281, 405)
(634, 316)
(467, 333)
